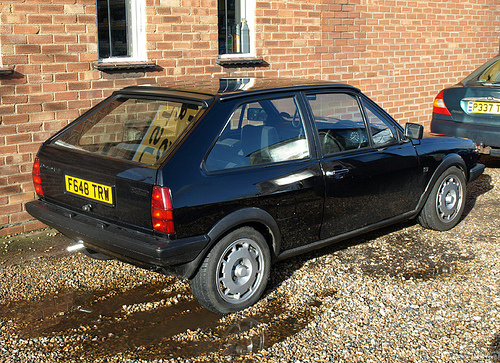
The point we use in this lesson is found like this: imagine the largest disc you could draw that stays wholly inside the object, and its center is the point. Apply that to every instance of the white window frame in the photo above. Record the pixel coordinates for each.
(136, 42)
(247, 13)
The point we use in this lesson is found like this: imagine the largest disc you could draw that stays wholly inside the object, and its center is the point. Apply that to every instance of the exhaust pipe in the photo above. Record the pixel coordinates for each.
(76, 247)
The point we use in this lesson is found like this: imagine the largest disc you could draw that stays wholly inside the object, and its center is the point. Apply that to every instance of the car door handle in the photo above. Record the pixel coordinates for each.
(337, 173)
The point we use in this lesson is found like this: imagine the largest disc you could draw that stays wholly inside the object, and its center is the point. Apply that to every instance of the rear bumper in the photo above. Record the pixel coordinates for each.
(485, 135)
(135, 247)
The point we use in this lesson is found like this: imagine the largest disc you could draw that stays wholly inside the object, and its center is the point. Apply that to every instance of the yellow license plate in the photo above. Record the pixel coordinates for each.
(492, 108)
(88, 189)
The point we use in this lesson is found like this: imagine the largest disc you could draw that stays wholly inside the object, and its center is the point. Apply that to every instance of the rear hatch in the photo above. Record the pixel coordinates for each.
(105, 163)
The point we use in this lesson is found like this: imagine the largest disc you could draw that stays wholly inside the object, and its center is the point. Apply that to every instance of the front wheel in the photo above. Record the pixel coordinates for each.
(445, 205)
(234, 274)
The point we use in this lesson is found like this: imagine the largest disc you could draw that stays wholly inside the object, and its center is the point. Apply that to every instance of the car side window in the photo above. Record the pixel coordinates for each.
(382, 130)
(339, 121)
(266, 131)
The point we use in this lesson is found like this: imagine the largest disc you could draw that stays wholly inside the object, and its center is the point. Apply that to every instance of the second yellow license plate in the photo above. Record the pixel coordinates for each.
(492, 108)
(88, 189)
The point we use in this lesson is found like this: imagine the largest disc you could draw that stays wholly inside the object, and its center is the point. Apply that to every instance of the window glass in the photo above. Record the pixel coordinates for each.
(491, 74)
(382, 130)
(261, 132)
(132, 129)
(339, 122)
(120, 25)
(235, 26)
(486, 73)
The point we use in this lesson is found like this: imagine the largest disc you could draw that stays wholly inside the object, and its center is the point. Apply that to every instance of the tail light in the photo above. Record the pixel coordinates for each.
(161, 210)
(439, 105)
(37, 179)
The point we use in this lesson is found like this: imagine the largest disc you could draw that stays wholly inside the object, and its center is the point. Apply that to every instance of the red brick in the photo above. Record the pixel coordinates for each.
(9, 190)
(14, 60)
(27, 49)
(12, 39)
(14, 99)
(14, 119)
(24, 8)
(11, 230)
(18, 18)
(398, 52)
(66, 77)
(54, 106)
(52, 28)
(41, 58)
(53, 48)
(64, 19)
(32, 226)
(54, 68)
(17, 139)
(52, 9)
(39, 19)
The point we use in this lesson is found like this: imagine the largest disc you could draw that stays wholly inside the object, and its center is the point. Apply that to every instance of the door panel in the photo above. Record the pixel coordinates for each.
(263, 158)
(367, 187)
(370, 174)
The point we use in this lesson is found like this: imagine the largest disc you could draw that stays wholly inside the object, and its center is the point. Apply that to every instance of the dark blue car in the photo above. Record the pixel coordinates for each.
(471, 108)
(216, 180)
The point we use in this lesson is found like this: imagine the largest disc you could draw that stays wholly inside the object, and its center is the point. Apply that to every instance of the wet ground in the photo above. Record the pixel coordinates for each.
(61, 306)
(150, 319)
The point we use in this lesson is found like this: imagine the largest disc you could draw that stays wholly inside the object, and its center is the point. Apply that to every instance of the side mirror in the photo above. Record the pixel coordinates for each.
(414, 131)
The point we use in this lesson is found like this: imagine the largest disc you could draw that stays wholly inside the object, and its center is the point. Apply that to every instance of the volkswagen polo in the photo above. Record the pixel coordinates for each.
(215, 180)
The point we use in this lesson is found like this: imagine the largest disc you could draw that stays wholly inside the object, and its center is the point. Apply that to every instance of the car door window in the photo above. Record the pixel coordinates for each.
(339, 121)
(382, 130)
(266, 131)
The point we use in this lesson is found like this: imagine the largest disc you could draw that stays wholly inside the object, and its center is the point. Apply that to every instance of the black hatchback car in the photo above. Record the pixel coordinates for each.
(216, 180)
(471, 108)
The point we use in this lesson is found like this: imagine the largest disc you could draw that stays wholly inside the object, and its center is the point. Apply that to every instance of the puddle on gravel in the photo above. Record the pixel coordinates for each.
(31, 246)
(407, 255)
(148, 322)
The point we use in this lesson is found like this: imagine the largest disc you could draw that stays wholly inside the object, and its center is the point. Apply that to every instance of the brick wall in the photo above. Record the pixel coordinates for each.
(400, 52)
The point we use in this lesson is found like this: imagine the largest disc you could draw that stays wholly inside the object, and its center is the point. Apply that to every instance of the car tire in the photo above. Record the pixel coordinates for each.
(234, 274)
(445, 205)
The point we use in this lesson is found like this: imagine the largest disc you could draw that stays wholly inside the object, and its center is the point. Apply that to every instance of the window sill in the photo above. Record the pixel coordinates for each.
(241, 62)
(6, 71)
(118, 66)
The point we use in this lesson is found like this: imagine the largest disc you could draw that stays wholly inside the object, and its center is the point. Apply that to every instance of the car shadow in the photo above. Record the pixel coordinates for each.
(475, 189)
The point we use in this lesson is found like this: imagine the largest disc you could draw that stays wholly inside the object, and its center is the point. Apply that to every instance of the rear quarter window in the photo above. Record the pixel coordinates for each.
(140, 130)
(261, 132)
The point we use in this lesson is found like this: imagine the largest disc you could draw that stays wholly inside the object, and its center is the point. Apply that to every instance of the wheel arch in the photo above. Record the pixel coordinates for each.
(256, 218)
(447, 162)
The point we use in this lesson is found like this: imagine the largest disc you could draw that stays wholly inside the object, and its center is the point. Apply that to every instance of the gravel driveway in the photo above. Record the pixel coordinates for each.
(401, 294)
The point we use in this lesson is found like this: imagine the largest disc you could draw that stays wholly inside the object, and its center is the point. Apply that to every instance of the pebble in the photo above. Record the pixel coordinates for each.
(403, 294)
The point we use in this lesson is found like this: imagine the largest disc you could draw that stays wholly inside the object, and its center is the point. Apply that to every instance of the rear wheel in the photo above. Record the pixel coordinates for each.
(445, 205)
(234, 274)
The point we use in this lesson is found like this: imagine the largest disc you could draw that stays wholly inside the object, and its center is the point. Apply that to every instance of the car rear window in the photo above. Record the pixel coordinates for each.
(487, 73)
(139, 130)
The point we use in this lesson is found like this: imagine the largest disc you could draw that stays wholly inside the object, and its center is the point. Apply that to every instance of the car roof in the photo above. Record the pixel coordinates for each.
(205, 89)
